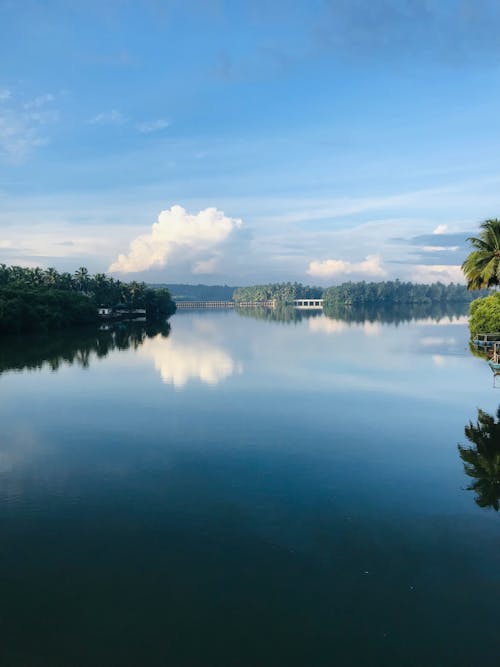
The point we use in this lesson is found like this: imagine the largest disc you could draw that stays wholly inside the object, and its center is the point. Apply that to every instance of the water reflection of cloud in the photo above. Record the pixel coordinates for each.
(327, 325)
(179, 362)
(439, 360)
(443, 322)
(437, 341)
(331, 326)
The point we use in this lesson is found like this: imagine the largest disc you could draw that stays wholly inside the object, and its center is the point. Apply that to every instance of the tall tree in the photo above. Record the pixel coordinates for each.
(482, 266)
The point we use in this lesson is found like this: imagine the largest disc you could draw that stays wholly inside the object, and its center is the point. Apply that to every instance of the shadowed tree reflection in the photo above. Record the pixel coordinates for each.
(79, 346)
(283, 313)
(482, 460)
(395, 313)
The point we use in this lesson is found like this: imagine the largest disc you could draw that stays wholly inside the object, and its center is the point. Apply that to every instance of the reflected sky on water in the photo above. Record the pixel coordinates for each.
(246, 489)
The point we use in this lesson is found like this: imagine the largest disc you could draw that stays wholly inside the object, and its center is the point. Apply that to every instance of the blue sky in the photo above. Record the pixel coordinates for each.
(239, 142)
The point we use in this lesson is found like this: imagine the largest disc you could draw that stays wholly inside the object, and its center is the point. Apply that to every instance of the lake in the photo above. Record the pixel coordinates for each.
(247, 489)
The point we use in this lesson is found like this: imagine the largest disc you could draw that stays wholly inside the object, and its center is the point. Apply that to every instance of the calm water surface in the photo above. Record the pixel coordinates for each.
(243, 491)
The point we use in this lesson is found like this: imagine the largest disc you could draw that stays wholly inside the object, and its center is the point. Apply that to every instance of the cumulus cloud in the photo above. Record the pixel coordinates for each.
(440, 229)
(330, 268)
(178, 237)
(432, 273)
(153, 125)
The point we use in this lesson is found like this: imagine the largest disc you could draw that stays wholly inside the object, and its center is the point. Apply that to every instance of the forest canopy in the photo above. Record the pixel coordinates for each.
(34, 299)
(391, 291)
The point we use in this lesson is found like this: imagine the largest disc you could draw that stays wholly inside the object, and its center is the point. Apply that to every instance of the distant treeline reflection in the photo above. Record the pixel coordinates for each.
(395, 313)
(482, 460)
(76, 346)
(383, 313)
(283, 313)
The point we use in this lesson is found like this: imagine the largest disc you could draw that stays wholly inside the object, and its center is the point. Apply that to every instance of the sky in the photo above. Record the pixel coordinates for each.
(241, 142)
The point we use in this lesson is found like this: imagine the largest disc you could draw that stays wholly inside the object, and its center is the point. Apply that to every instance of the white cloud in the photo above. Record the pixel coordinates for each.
(153, 125)
(40, 101)
(178, 237)
(440, 229)
(439, 248)
(20, 123)
(330, 268)
(423, 273)
(112, 117)
(206, 266)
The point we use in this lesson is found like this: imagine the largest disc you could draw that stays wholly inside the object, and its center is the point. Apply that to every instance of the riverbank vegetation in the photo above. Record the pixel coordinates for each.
(34, 299)
(283, 292)
(485, 315)
(357, 293)
(482, 270)
(395, 292)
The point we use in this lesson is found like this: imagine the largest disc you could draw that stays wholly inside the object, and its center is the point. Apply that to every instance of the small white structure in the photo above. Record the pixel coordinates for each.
(104, 311)
(308, 304)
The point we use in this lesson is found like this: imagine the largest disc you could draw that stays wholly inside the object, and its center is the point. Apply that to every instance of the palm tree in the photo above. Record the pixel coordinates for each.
(482, 461)
(82, 279)
(482, 266)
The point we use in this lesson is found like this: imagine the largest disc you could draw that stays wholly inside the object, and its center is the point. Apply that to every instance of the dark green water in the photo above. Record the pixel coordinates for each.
(248, 492)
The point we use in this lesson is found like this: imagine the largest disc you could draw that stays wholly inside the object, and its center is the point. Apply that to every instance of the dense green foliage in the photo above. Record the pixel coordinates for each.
(394, 291)
(182, 292)
(33, 299)
(482, 266)
(28, 309)
(284, 292)
(485, 315)
(482, 460)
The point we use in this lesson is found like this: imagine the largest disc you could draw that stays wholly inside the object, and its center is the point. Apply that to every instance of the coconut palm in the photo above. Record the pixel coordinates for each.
(482, 266)
(482, 461)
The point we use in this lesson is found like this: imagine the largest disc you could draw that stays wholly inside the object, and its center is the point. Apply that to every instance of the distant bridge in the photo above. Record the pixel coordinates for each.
(301, 304)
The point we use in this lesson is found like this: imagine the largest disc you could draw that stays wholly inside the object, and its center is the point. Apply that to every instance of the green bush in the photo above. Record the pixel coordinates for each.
(485, 314)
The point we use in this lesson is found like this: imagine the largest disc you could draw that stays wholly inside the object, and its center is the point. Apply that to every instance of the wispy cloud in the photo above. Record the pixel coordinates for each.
(20, 123)
(112, 117)
(39, 102)
(153, 125)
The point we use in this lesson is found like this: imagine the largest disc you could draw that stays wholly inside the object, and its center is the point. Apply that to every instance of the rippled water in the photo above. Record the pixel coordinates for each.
(244, 491)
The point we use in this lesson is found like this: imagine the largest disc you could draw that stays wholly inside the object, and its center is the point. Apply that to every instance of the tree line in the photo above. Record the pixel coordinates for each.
(395, 292)
(351, 293)
(283, 292)
(33, 299)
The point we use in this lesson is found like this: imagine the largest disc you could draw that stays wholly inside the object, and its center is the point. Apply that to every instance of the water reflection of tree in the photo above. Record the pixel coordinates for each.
(283, 313)
(395, 313)
(77, 346)
(482, 460)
